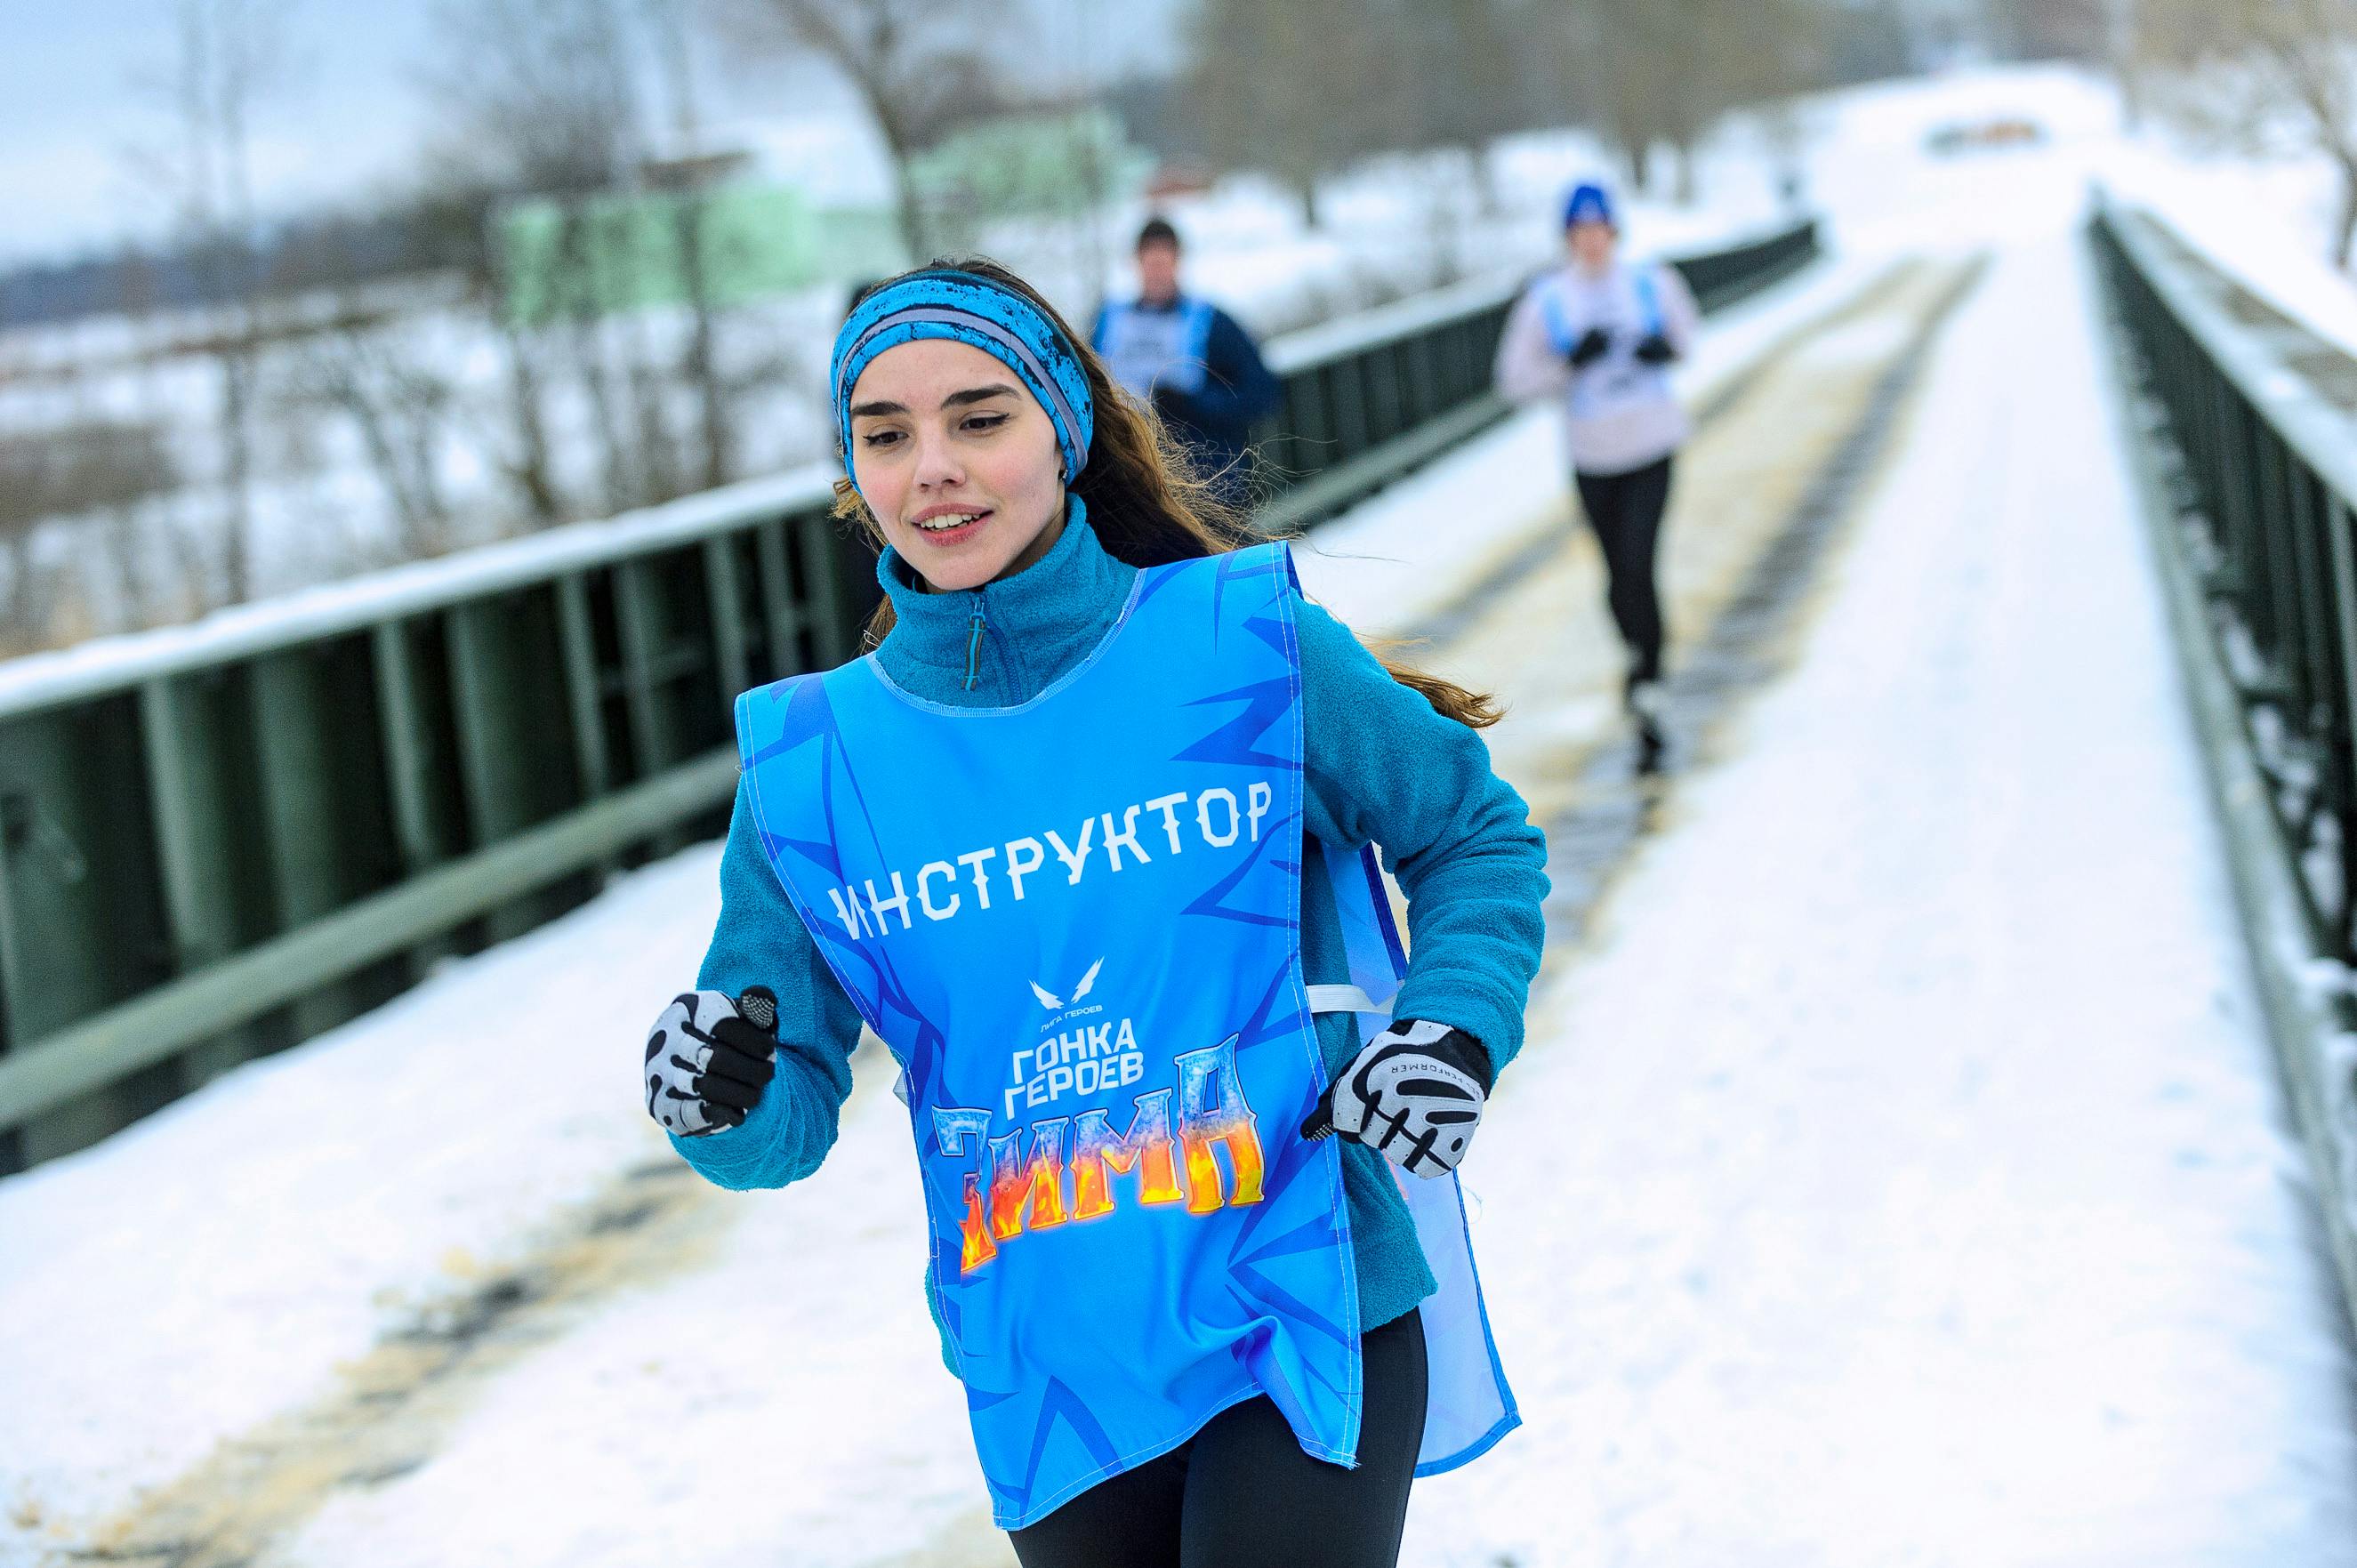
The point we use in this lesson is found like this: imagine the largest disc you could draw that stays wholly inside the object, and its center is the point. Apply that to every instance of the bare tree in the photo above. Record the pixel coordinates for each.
(1456, 82)
(2051, 29)
(2120, 54)
(401, 408)
(2258, 73)
(1761, 55)
(1626, 54)
(542, 100)
(1666, 72)
(917, 66)
(138, 297)
(690, 209)
(1785, 130)
(90, 468)
(1291, 89)
(461, 210)
(226, 54)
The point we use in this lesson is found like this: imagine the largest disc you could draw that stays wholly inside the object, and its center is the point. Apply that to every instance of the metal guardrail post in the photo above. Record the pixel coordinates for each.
(507, 781)
(299, 776)
(583, 696)
(725, 592)
(840, 588)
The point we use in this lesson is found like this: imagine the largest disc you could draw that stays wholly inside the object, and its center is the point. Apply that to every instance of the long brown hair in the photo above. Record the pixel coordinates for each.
(1147, 499)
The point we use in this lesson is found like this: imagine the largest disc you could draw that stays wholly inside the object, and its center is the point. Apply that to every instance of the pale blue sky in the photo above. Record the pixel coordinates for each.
(72, 110)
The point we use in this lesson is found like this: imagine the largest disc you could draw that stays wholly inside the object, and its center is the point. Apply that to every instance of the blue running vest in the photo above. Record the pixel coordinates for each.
(1619, 377)
(1141, 347)
(1076, 925)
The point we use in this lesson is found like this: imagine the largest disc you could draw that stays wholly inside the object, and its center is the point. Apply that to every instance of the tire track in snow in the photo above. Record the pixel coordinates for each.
(387, 1410)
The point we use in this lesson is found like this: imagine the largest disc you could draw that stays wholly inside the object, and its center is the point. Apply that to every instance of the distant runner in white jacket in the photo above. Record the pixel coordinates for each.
(1601, 334)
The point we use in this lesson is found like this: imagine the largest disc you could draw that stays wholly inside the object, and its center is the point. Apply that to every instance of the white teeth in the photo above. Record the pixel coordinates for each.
(946, 521)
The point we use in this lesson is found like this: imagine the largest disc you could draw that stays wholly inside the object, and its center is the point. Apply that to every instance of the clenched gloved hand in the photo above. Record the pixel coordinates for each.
(708, 1059)
(1414, 1095)
(1593, 345)
(1655, 349)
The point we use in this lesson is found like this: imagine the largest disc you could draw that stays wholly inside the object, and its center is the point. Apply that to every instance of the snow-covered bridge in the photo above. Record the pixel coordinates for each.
(1898, 1171)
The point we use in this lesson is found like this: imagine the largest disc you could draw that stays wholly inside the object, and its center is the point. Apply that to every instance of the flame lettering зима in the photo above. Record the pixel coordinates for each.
(1008, 1195)
(1145, 1149)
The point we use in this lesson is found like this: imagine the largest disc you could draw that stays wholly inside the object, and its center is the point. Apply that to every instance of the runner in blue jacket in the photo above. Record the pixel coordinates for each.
(1193, 362)
(1048, 840)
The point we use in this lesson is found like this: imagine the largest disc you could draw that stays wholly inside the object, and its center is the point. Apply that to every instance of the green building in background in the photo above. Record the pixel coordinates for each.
(1057, 164)
(626, 250)
(623, 250)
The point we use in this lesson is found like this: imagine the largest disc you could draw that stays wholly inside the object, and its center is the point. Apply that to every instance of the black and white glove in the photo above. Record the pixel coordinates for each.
(1414, 1095)
(1655, 349)
(708, 1059)
(1593, 345)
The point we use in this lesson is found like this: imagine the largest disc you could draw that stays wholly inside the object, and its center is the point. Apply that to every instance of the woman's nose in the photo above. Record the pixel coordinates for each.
(937, 464)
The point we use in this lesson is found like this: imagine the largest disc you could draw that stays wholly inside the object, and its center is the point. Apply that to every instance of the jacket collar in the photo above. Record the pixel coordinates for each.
(1045, 616)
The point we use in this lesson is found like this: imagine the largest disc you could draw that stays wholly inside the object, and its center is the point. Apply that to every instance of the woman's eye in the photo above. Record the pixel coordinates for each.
(878, 438)
(982, 422)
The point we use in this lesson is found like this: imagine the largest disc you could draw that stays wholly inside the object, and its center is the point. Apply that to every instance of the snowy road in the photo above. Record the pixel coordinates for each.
(1894, 1175)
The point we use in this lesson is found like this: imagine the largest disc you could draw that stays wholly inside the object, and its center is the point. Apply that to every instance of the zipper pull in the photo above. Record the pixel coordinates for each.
(974, 648)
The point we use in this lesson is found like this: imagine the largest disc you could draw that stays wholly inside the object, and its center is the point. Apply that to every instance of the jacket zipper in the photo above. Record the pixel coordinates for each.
(974, 648)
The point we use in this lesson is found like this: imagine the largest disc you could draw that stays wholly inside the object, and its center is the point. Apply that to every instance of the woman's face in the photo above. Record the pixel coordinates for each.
(1591, 245)
(957, 462)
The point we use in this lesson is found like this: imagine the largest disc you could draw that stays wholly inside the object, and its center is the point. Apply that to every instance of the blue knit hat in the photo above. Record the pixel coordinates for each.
(1589, 203)
(946, 303)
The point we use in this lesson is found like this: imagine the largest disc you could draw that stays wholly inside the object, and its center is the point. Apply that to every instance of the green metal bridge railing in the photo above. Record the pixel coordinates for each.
(2265, 478)
(219, 840)
(2249, 479)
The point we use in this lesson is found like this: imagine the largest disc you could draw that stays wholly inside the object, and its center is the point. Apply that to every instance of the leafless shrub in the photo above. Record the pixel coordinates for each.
(84, 468)
(401, 409)
(2259, 76)
(920, 67)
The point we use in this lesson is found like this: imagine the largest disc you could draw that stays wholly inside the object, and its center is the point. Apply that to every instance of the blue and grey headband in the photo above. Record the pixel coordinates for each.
(973, 310)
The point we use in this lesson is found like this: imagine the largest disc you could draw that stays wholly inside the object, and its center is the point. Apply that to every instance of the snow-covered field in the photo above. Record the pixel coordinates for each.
(1894, 1177)
(321, 510)
(1395, 225)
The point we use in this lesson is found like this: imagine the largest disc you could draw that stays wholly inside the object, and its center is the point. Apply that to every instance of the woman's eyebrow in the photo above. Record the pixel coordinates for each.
(955, 400)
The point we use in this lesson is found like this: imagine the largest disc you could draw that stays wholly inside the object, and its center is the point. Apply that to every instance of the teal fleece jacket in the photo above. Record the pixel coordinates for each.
(1382, 767)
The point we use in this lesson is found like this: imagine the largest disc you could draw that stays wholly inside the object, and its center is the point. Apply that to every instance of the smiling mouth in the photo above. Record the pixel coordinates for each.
(947, 521)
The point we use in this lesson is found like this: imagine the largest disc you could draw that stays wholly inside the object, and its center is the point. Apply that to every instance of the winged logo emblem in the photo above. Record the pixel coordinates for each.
(1054, 1002)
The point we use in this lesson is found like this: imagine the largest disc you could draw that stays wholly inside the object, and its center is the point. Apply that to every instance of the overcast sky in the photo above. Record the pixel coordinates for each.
(349, 112)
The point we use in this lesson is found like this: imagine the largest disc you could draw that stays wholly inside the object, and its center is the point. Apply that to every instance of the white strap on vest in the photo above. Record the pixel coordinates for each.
(1343, 999)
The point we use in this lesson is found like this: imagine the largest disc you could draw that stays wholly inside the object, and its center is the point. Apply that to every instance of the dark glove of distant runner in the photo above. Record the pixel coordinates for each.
(1415, 1094)
(708, 1059)
(1591, 347)
(1656, 350)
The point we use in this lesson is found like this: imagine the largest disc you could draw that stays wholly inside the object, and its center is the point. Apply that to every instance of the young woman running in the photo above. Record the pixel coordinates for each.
(1086, 841)
(1601, 334)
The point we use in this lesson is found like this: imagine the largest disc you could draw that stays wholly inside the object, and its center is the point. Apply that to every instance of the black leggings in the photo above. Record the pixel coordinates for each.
(1242, 1493)
(1625, 510)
